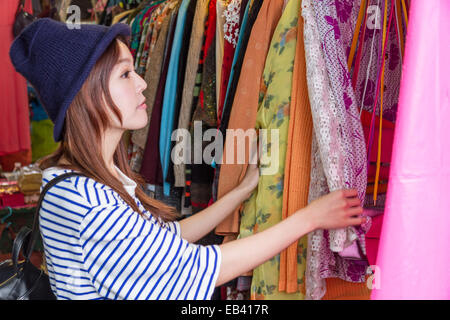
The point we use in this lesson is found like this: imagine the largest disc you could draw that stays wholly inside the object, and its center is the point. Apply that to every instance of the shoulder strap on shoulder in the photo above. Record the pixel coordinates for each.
(35, 229)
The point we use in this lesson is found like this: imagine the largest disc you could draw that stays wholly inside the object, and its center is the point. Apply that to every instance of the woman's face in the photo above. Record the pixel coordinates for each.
(126, 88)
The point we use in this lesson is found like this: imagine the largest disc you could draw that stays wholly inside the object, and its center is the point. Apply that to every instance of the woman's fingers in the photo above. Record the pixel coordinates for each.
(354, 211)
(357, 221)
(350, 193)
(353, 202)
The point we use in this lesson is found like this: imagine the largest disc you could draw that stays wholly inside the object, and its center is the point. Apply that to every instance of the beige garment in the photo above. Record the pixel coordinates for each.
(195, 46)
(139, 137)
(221, 6)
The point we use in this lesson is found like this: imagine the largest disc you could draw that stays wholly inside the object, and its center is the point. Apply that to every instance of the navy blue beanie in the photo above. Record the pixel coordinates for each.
(57, 60)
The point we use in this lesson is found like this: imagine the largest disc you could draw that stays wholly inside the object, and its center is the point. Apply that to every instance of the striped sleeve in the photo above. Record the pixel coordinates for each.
(128, 257)
(174, 226)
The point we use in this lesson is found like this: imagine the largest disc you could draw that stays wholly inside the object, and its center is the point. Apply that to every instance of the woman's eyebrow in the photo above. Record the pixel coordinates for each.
(124, 60)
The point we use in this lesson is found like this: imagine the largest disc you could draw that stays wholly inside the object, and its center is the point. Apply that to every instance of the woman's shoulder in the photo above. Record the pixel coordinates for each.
(78, 187)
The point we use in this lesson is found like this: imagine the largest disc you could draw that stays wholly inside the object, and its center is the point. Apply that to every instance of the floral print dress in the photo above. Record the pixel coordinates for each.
(264, 208)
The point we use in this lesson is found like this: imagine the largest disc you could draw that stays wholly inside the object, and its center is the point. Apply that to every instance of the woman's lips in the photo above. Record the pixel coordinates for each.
(142, 106)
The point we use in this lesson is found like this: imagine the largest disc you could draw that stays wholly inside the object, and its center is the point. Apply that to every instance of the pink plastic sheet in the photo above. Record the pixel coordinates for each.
(414, 255)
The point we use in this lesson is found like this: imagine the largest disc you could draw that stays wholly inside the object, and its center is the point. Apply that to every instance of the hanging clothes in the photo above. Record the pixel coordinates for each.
(248, 18)
(153, 69)
(231, 33)
(338, 148)
(370, 65)
(14, 108)
(264, 208)
(195, 46)
(298, 166)
(245, 103)
(151, 28)
(221, 8)
(201, 174)
(168, 111)
(151, 168)
(189, 205)
(180, 78)
(142, 26)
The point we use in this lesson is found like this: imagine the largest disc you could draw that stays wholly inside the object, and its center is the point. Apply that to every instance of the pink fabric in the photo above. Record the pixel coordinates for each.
(14, 119)
(373, 239)
(387, 138)
(413, 257)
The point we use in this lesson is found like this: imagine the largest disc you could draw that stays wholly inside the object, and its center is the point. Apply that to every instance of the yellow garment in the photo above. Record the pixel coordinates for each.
(264, 208)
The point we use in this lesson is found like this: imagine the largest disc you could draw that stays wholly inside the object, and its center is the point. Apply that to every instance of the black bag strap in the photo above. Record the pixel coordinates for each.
(27, 238)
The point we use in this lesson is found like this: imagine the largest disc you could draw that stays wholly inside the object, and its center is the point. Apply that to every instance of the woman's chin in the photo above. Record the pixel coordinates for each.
(139, 125)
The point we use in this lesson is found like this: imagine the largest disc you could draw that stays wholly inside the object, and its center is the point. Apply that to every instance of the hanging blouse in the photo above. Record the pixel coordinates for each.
(338, 148)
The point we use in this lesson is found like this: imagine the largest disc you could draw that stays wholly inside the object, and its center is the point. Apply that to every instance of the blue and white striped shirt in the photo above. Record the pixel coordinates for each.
(97, 247)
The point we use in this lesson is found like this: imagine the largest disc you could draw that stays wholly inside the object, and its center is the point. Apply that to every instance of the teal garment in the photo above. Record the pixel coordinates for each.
(238, 48)
(168, 110)
(136, 32)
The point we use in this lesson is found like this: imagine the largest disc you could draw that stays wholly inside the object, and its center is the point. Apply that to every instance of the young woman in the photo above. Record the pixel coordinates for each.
(104, 238)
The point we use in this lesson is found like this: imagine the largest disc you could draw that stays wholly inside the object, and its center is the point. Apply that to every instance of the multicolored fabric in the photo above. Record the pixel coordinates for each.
(208, 37)
(338, 147)
(370, 60)
(264, 208)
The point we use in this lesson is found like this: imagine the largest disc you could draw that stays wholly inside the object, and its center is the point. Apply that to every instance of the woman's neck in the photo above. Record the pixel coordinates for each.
(110, 142)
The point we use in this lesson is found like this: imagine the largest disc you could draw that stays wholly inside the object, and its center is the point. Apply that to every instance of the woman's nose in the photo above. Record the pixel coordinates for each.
(141, 84)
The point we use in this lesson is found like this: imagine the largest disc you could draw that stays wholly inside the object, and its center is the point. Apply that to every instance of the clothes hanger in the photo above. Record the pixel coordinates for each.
(380, 75)
(377, 172)
(358, 56)
(399, 29)
(405, 12)
(369, 64)
(355, 35)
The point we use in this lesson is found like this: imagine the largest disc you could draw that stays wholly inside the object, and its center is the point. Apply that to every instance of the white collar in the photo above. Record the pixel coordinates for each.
(129, 185)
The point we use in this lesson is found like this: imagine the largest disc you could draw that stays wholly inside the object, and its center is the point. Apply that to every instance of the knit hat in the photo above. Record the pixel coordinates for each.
(56, 60)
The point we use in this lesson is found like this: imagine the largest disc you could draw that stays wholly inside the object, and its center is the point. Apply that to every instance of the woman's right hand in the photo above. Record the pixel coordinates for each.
(338, 209)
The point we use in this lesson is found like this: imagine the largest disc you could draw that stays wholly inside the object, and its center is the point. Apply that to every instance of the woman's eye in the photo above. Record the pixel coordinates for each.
(125, 74)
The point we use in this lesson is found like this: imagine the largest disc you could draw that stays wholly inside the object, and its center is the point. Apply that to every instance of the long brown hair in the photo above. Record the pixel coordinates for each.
(86, 119)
